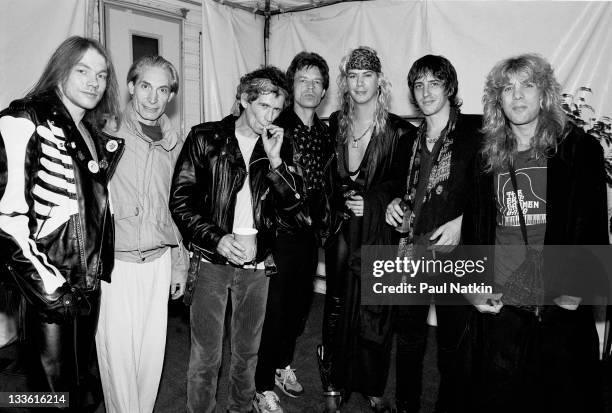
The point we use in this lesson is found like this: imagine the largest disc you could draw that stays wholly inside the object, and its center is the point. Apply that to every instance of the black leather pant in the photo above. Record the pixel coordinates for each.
(351, 362)
(336, 258)
(61, 354)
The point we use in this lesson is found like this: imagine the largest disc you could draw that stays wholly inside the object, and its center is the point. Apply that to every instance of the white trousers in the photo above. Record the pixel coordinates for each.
(131, 335)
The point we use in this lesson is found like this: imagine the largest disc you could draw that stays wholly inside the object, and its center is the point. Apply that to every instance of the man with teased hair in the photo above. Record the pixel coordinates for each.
(56, 233)
(367, 137)
(230, 174)
(540, 185)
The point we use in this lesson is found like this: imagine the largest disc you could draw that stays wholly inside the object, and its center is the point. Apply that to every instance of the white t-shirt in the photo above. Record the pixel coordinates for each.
(243, 211)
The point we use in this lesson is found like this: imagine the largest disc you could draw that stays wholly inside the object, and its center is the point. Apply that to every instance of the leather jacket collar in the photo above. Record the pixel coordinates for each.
(48, 106)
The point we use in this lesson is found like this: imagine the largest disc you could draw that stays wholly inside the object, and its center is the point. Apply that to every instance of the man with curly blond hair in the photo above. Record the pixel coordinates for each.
(541, 185)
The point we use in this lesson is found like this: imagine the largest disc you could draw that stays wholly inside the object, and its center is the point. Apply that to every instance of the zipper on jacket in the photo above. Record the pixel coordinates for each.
(97, 273)
(80, 241)
(44, 222)
(232, 192)
(329, 161)
(253, 204)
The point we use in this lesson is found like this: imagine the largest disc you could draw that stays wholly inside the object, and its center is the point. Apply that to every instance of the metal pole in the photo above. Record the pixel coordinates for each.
(266, 31)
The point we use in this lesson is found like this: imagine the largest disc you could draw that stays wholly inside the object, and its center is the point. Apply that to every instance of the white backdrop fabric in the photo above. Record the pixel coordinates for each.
(30, 30)
(232, 43)
(574, 36)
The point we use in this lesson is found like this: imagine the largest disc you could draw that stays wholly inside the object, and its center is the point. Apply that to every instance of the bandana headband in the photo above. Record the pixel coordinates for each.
(363, 59)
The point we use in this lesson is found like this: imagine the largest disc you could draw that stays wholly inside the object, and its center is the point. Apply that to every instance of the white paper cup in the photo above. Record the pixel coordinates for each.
(247, 237)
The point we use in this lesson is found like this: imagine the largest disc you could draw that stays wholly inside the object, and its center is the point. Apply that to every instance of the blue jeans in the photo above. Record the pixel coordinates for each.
(248, 290)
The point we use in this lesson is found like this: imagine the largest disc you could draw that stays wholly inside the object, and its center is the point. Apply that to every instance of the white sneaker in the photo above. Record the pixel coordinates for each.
(267, 402)
(286, 380)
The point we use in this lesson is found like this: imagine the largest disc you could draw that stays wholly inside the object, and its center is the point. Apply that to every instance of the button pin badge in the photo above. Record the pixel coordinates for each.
(93, 167)
(112, 145)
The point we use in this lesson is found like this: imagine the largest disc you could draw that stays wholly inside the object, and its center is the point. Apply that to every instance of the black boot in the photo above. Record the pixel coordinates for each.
(333, 397)
(333, 401)
(378, 404)
(403, 406)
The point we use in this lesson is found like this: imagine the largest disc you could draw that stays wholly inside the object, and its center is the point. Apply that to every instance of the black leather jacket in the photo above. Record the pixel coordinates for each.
(55, 221)
(290, 152)
(209, 173)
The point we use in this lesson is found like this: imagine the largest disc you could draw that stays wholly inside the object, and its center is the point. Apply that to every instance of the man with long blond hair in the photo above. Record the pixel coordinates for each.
(367, 136)
(541, 184)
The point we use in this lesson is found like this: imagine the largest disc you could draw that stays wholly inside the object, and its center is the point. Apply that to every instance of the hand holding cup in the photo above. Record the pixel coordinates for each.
(247, 238)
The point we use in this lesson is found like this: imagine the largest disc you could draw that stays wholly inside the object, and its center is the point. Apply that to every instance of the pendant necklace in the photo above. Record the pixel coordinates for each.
(356, 140)
(432, 140)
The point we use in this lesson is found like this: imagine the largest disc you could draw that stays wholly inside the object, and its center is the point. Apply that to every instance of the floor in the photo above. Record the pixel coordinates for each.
(172, 395)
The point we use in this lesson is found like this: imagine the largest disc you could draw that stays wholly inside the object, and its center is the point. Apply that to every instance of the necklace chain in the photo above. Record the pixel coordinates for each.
(432, 140)
(356, 140)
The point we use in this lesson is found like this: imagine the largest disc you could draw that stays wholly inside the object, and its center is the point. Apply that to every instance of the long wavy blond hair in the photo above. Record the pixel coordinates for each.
(347, 106)
(381, 148)
(500, 147)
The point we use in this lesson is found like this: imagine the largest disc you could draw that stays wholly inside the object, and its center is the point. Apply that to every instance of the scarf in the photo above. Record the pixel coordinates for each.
(438, 175)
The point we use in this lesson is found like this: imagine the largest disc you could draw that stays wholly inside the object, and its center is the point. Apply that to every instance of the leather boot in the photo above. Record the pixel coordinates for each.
(378, 404)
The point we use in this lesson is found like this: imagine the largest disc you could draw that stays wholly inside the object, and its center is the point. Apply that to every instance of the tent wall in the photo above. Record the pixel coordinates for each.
(31, 30)
(232, 43)
(574, 36)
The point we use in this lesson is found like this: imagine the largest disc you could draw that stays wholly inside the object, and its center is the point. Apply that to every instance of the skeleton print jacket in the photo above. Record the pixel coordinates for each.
(56, 230)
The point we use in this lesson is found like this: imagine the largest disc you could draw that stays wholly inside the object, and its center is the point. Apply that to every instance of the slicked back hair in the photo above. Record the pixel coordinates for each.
(154, 61)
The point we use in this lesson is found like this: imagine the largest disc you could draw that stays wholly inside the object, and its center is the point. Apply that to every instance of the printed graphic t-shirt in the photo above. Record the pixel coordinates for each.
(531, 182)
